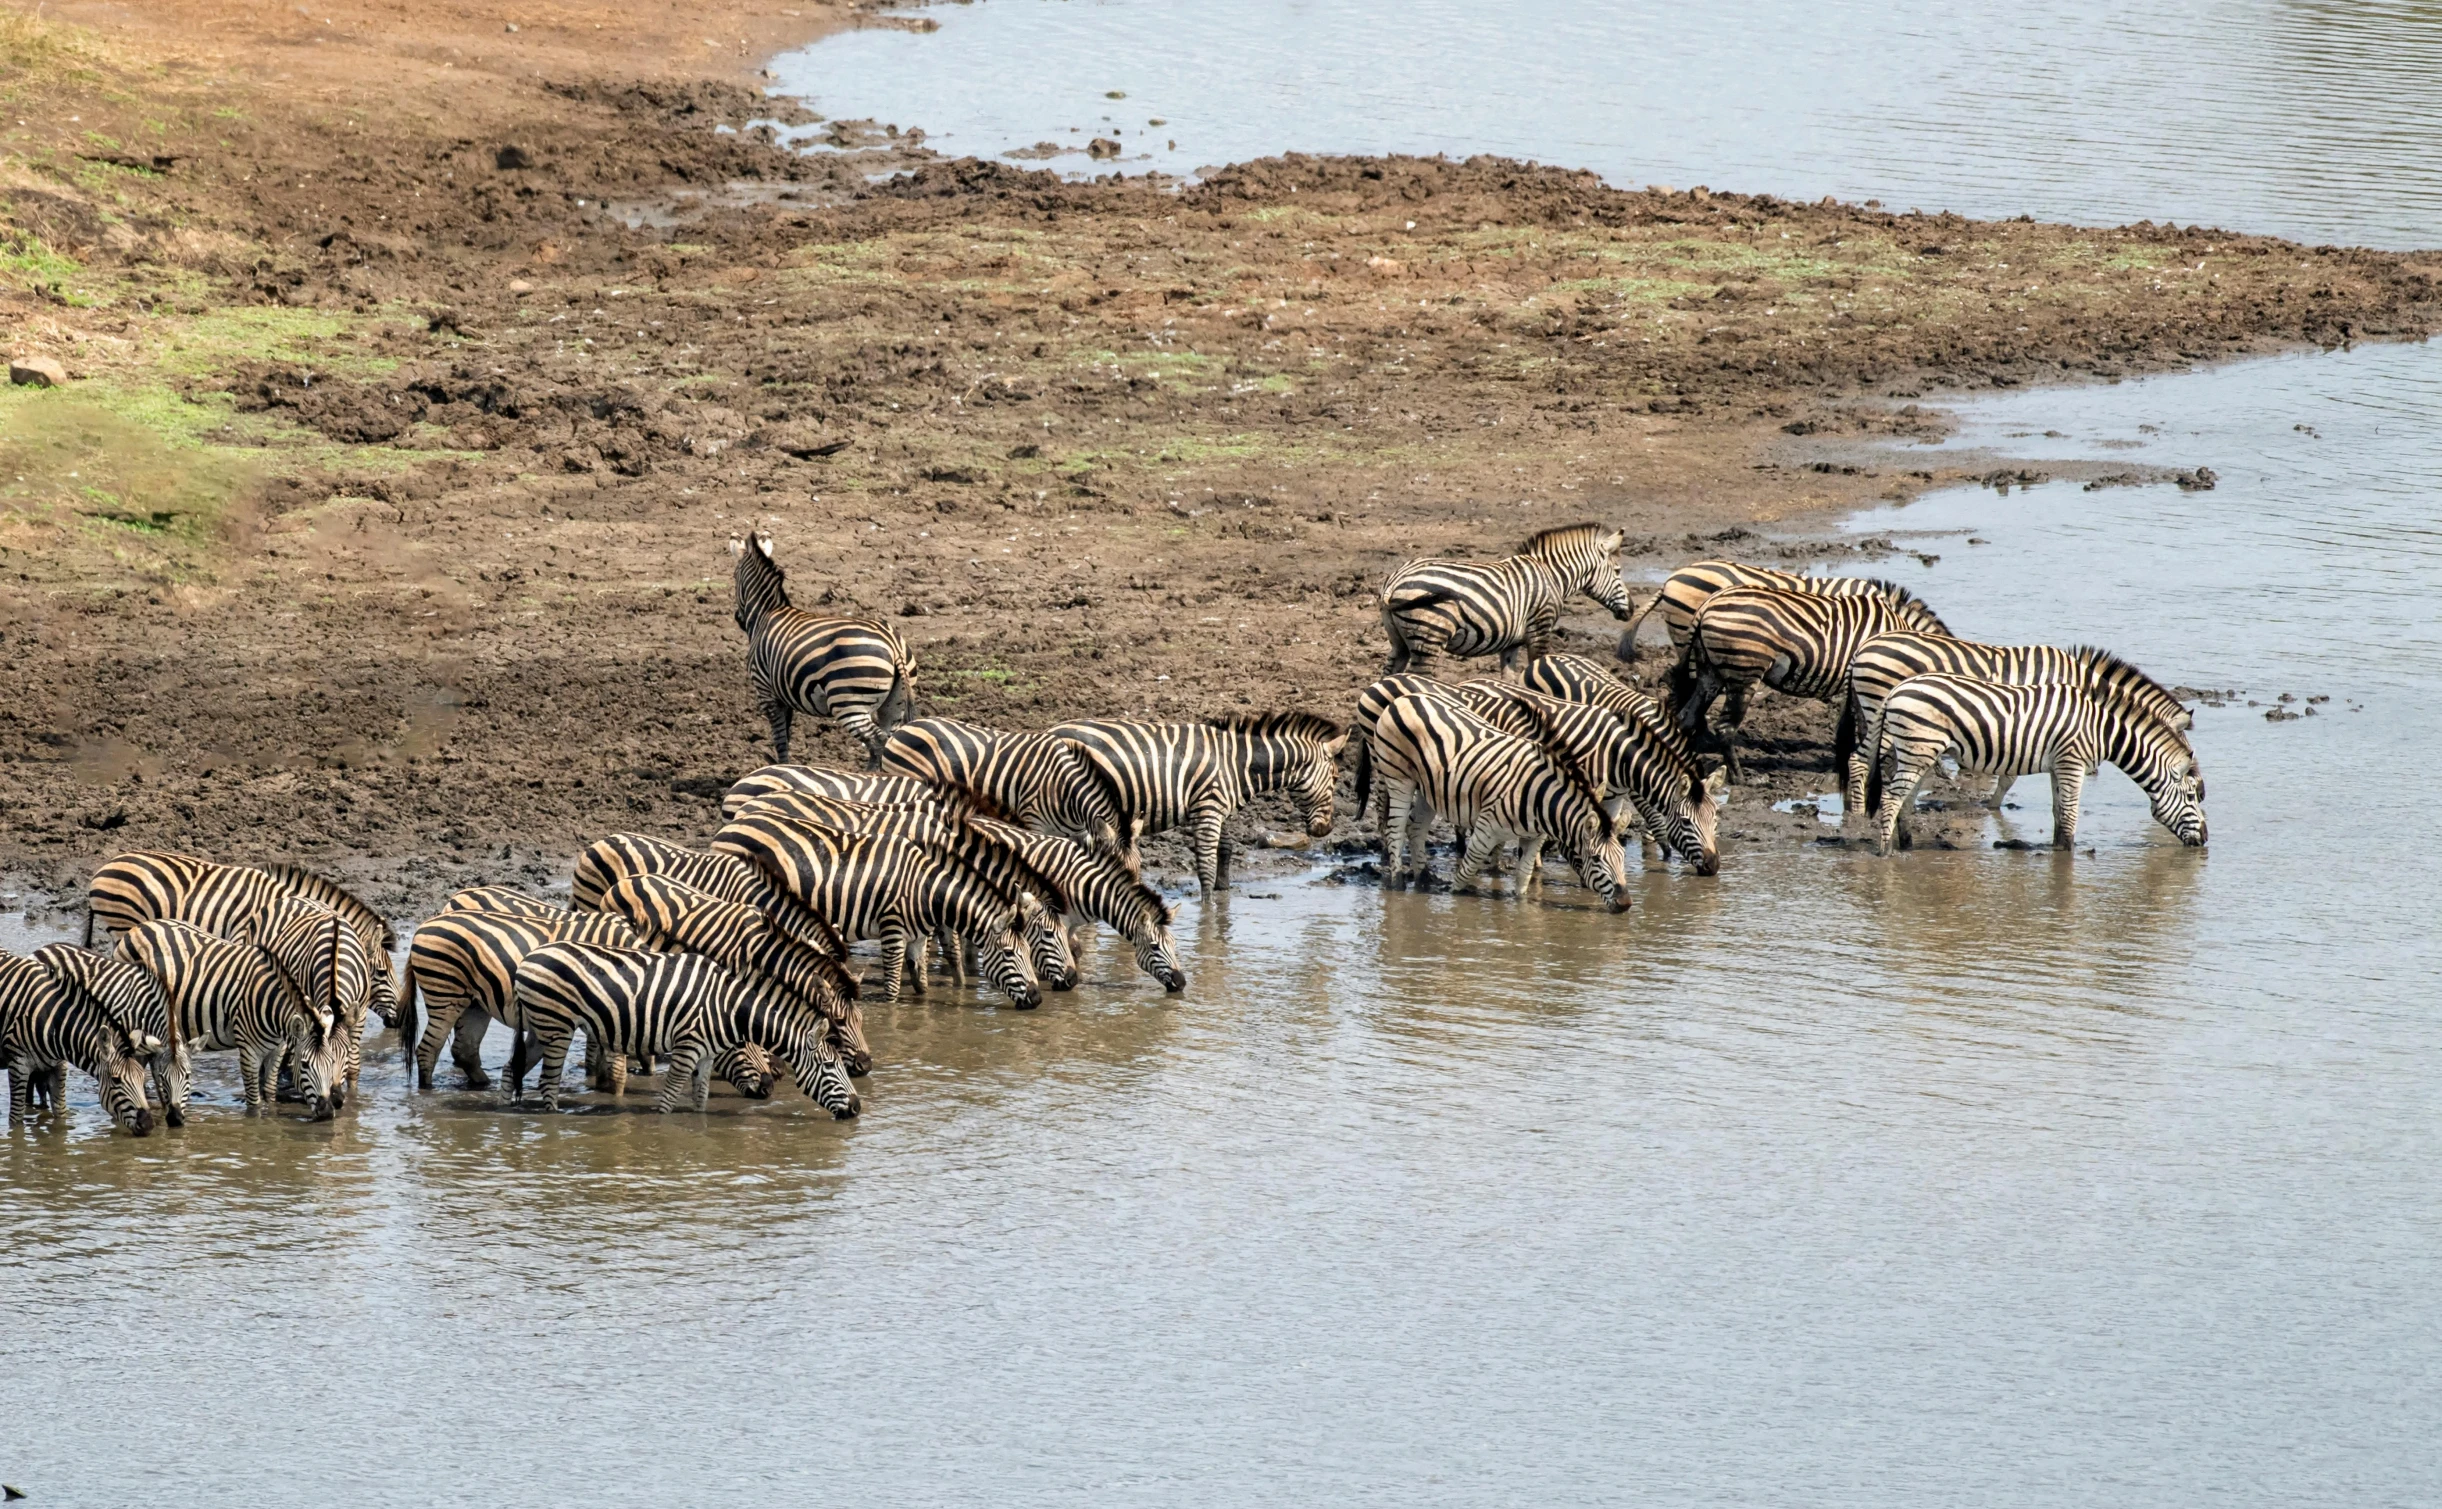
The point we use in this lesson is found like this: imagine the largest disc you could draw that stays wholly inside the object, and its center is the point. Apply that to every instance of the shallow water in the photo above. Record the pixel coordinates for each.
(1967, 1176)
(2302, 118)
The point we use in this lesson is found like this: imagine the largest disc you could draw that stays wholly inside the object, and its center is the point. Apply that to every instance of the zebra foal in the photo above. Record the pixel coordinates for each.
(855, 671)
(1195, 775)
(1432, 608)
(241, 996)
(682, 1007)
(1690, 587)
(2009, 731)
(1432, 754)
(49, 1021)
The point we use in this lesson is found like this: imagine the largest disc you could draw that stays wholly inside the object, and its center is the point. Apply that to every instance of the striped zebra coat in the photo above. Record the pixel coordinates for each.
(1576, 678)
(1797, 643)
(1100, 889)
(1195, 775)
(1031, 778)
(941, 831)
(605, 862)
(373, 930)
(854, 786)
(1886, 661)
(242, 903)
(682, 1007)
(49, 1021)
(1432, 608)
(1690, 587)
(501, 898)
(854, 671)
(2008, 731)
(873, 886)
(743, 941)
(1433, 755)
(1625, 762)
(462, 966)
(242, 996)
(134, 1000)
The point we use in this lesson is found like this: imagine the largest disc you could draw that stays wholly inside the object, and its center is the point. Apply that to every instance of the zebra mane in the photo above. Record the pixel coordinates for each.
(2111, 665)
(328, 893)
(1556, 541)
(1564, 760)
(1303, 727)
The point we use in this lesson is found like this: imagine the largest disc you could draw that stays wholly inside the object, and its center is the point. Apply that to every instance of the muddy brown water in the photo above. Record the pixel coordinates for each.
(1967, 1176)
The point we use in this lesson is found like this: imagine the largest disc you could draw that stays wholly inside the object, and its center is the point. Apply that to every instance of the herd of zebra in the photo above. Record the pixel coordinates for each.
(995, 850)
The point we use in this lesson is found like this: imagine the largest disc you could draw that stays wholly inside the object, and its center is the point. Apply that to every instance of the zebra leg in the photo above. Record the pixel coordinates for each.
(522, 1050)
(465, 1049)
(858, 724)
(2068, 789)
(554, 1053)
(53, 1088)
(255, 1068)
(1211, 873)
(1398, 799)
(1908, 772)
(20, 1095)
(614, 1073)
(894, 961)
(685, 1079)
(782, 718)
(1482, 842)
(2001, 789)
(1530, 863)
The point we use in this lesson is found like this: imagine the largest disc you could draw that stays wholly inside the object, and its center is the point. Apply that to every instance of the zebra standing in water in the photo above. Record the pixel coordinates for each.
(605, 862)
(1622, 759)
(373, 930)
(462, 966)
(1690, 587)
(1798, 643)
(873, 886)
(682, 1007)
(1168, 775)
(854, 671)
(48, 1021)
(1102, 890)
(240, 995)
(1032, 778)
(2008, 731)
(1887, 661)
(135, 1001)
(1432, 608)
(1435, 755)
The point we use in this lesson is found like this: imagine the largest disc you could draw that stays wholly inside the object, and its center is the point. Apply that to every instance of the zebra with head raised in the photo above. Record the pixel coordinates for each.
(683, 1007)
(1100, 889)
(1690, 587)
(854, 671)
(945, 830)
(1887, 661)
(605, 862)
(48, 1021)
(1194, 775)
(1032, 778)
(1797, 643)
(1432, 754)
(241, 996)
(1433, 608)
(874, 886)
(2008, 731)
(743, 941)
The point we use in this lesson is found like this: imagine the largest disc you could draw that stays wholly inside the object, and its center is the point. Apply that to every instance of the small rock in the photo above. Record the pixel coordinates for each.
(511, 27)
(2200, 480)
(520, 287)
(510, 158)
(1102, 147)
(37, 372)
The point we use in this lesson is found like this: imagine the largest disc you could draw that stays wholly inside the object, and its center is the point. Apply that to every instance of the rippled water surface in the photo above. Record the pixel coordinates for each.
(2305, 118)
(1968, 1176)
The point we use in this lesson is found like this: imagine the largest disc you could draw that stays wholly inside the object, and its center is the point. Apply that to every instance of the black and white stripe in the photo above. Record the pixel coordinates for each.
(134, 1000)
(855, 671)
(1576, 678)
(49, 1021)
(1433, 755)
(462, 966)
(2008, 731)
(1690, 587)
(1432, 608)
(1623, 759)
(1195, 775)
(683, 1007)
(242, 996)
(607, 861)
(1031, 778)
(1099, 888)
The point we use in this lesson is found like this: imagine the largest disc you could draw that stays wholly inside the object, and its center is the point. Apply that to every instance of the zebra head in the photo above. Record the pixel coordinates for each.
(2178, 799)
(1047, 944)
(125, 1069)
(1599, 857)
(1157, 953)
(1691, 828)
(316, 1049)
(748, 1069)
(1003, 961)
(1319, 782)
(761, 585)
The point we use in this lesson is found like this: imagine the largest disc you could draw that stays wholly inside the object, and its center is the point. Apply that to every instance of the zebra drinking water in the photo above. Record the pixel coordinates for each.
(1168, 775)
(49, 1021)
(241, 996)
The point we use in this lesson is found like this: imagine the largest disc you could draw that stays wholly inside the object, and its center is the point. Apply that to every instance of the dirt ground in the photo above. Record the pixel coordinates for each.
(421, 370)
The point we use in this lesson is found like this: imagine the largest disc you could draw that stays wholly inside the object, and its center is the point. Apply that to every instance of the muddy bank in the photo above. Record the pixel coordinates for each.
(383, 521)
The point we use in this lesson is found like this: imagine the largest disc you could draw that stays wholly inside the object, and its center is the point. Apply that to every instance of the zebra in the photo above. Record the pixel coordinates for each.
(743, 941)
(1625, 762)
(606, 861)
(463, 965)
(1887, 660)
(242, 996)
(1169, 775)
(1576, 678)
(2018, 730)
(373, 930)
(1496, 788)
(854, 786)
(1432, 608)
(1797, 643)
(1099, 888)
(875, 886)
(1684, 595)
(681, 1006)
(1032, 778)
(1047, 942)
(231, 900)
(135, 1001)
(854, 671)
(49, 1021)
(501, 898)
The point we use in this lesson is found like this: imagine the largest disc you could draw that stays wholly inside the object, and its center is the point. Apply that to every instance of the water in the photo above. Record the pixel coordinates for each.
(1964, 1177)
(2303, 118)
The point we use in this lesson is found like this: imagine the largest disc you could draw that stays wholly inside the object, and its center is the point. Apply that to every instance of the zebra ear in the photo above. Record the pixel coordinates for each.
(1716, 780)
(1332, 749)
(763, 542)
(737, 545)
(1609, 544)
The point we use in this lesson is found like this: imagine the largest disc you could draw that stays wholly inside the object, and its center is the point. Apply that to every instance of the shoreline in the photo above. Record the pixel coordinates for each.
(383, 527)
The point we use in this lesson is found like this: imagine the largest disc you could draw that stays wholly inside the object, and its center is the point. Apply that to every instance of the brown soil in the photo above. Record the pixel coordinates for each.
(423, 370)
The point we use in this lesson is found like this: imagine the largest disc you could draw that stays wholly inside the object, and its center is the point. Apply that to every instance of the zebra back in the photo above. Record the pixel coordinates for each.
(852, 786)
(933, 825)
(1370, 702)
(127, 994)
(1576, 678)
(1799, 643)
(463, 960)
(606, 861)
(741, 940)
(643, 1005)
(501, 898)
(1035, 778)
(1163, 772)
(856, 671)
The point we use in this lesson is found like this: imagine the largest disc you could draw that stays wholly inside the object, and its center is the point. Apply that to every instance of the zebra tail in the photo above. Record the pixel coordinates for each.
(1681, 687)
(1365, 776)
(1627, 645)
(1873, 783)
(409, 1020)
(1844, 737)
